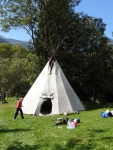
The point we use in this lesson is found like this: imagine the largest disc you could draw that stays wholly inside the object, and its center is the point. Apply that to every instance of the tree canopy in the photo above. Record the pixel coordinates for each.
(18, 68)
(76, 39)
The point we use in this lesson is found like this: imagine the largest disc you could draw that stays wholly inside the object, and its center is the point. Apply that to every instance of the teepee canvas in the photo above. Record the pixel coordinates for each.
(51, 93)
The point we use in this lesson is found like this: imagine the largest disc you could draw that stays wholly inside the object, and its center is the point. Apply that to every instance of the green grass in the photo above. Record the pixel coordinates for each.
(38, 132)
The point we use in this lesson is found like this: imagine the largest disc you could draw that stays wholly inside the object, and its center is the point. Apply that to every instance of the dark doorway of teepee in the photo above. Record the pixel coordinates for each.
(46, 107)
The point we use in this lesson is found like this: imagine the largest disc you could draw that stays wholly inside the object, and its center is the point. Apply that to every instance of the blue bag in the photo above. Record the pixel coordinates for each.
(104, 114)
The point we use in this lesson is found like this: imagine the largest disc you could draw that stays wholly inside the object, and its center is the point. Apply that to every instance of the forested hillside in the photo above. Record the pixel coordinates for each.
(13, 41)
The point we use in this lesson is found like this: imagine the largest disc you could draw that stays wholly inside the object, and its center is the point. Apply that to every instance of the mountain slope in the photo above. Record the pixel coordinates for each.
(25, 43)
(13, 41)
(2, 39)
(110, 41)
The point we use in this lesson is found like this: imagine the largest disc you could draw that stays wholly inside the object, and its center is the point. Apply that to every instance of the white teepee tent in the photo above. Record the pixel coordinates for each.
(51, 93)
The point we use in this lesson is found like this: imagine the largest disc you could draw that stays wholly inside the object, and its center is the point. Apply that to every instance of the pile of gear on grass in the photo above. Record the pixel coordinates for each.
(3, 97)
(106, 114)
(71, 123)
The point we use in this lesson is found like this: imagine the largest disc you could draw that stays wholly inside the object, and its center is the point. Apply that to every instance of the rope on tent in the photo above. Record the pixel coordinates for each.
(49, 83)
(49, 94)
(51, 63)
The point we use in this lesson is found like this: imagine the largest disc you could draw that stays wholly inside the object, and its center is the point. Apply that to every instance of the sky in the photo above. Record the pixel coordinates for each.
(99, 9)
(96, 8)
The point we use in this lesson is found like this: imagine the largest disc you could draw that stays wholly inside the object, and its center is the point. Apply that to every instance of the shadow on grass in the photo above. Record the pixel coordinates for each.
(84, 144)
(12, 130)
(72, 144)
(19, 146)
(75, 144)
(108, 138)
(98, 130)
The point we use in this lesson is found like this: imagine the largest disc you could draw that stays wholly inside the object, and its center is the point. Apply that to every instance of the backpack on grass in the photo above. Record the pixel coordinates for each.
(60, 121)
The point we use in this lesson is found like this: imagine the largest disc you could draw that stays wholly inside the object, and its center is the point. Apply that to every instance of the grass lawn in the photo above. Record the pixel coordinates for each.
(39, 133)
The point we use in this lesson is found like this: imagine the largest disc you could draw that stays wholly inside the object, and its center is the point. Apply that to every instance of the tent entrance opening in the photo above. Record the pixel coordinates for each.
(46, 107)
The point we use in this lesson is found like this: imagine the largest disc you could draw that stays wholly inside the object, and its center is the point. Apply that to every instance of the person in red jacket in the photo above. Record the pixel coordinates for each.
(18, 108)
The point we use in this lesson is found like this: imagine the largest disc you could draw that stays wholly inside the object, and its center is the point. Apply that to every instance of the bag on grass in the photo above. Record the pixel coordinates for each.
(104, 114)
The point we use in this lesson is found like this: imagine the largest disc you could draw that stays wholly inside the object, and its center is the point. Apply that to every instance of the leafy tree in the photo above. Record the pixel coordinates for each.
(79, 39)
(90, 69)
(43, 20)
(19, 14)
(19, 68)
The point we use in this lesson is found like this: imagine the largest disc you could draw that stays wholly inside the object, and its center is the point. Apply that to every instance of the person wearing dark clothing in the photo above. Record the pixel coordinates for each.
(19, 109)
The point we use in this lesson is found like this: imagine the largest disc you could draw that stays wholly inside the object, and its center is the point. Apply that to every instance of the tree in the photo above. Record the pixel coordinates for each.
(40, 19)
(56, 29)
(18, 69)
(90, 68)
(19, 14)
